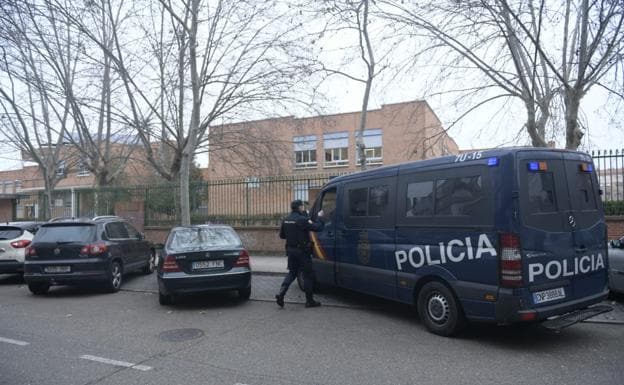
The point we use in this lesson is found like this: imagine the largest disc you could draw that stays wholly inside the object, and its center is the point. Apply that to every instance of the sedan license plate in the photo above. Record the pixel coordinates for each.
(548, 295)
(201, 265)
(57, 269)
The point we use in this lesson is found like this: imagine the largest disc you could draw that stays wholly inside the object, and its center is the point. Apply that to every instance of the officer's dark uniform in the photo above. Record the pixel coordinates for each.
(295, 230)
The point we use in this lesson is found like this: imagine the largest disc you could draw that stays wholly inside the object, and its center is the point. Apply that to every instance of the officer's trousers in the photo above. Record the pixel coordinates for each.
(298, 261)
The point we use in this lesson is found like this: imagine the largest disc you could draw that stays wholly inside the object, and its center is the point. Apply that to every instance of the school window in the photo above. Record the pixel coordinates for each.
(305, 151)
(82, 169)
(368, 202)
(541, 189)
(419, 199)
(458, 196)
(60, 168)
(336, 147)
(373, 144)
(252, 182)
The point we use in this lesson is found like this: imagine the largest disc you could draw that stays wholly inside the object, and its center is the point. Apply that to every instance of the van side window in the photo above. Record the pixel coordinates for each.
(541, 189)
(378, 200)
(328, 204)
(458, 196)
(358, 202)
(368, 202)
(419, 199)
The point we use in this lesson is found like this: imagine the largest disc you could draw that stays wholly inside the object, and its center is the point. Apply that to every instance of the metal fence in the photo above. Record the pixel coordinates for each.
(610, 169)
(242, 202)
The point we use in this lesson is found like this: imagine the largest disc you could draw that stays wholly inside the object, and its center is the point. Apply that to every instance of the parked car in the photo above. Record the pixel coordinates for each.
(96, 251)
(616, 265)
(200, 259)
(15, 237)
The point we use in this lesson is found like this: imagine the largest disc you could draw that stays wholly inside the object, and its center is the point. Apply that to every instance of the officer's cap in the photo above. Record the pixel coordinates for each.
(294, 205)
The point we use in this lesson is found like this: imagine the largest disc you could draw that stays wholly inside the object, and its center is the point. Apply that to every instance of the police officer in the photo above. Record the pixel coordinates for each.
(295, 230)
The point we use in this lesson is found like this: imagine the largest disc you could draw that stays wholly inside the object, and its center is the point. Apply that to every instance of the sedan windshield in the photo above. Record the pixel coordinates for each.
(203, 238)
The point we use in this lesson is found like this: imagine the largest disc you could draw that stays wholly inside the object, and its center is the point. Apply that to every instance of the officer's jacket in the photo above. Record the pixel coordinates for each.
(295, 229)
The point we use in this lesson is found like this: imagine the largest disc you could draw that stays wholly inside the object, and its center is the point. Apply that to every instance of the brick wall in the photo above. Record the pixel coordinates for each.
(6, 210)
(615, 225)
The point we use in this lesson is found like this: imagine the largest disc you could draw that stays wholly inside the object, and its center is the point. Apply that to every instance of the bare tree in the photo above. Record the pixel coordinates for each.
(237, 54)
(512, 44)
(33, 117)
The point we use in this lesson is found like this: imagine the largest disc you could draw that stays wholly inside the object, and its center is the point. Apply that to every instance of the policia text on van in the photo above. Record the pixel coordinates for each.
(497, 236)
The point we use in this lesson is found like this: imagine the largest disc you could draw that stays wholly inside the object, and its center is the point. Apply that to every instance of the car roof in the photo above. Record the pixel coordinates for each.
(203, 226)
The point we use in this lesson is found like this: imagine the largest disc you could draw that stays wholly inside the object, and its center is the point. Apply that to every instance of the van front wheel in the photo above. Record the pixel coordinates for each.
(438, 309)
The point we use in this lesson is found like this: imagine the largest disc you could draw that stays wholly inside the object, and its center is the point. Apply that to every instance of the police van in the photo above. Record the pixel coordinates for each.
(501, 236)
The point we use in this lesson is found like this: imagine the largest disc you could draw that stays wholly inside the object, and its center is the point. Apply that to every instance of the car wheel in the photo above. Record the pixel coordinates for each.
(151, 264)
(438, 309)
(38, 288)
(165, 299)
(244, 294)
(115, 277)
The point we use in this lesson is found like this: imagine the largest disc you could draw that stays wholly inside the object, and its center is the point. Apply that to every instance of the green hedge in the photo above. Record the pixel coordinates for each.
(614, 207)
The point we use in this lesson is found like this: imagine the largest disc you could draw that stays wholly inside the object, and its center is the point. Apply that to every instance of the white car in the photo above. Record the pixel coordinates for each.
(616, 265)
(15, 237)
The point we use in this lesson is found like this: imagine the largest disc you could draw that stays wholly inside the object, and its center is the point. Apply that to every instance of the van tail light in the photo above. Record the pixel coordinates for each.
(170, 265)
(94, 249)
(20, 244)
(510, 261)
(243, 259)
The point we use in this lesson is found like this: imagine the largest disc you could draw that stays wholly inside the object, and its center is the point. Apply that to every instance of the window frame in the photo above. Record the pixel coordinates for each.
(386, 220)
(486, 209)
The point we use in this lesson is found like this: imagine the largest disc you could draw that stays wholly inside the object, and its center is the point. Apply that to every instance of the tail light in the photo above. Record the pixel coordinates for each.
(31, 252)
(510, 261)
(170, 265)
(94, 249)
(20, 244)
(243, 259)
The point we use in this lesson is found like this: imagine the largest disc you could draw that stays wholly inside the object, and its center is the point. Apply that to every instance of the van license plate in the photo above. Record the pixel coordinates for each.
(216, 264)
(57, 269)
(548, 295)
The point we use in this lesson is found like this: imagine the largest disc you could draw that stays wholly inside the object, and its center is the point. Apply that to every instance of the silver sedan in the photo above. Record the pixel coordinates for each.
(616, 265)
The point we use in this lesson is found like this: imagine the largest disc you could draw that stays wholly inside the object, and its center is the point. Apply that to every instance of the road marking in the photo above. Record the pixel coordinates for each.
(14, 342)
(116, 363)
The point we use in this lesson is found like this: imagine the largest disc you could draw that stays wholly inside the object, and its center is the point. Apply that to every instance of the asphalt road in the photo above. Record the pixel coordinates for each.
(70, 336)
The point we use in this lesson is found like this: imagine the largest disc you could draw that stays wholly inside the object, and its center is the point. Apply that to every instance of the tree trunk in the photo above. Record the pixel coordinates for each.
(532, 127)
(189, 148)
(573, 131)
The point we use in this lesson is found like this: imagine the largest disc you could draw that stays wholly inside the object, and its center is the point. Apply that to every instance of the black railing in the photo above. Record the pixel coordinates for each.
(239, 202)
(610, 169)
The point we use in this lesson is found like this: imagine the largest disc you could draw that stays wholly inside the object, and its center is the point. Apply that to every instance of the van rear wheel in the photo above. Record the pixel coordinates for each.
(439, 310)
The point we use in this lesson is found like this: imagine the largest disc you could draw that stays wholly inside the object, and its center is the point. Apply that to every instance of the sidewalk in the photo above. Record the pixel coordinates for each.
(269, 265)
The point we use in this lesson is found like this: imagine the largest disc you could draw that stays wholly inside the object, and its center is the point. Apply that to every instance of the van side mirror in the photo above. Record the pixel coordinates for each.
(616, 244)
(141, 236)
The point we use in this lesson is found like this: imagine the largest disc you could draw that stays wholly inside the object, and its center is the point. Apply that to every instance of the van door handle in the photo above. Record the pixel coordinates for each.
(581, 249)
(330, 233)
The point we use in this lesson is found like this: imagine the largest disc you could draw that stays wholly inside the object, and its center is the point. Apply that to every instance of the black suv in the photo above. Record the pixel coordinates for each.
(72, 252)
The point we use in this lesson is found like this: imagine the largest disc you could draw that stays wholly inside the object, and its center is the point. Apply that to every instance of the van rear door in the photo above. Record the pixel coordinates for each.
(562, 227)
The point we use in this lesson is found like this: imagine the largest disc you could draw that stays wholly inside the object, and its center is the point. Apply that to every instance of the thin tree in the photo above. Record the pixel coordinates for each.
(238, 57)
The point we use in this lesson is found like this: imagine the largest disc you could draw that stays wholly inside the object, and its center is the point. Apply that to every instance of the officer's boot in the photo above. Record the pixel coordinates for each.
(279, 298)
(310, 302)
